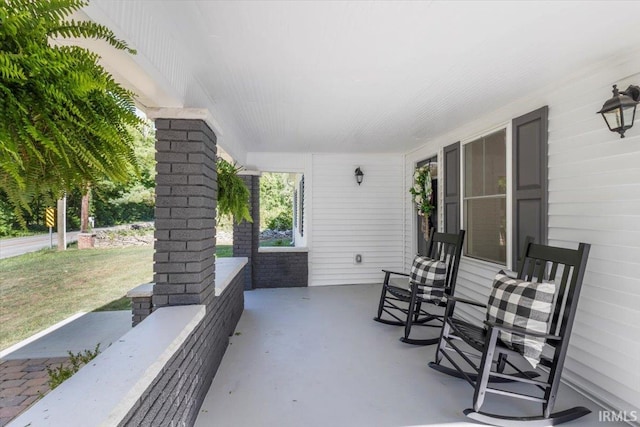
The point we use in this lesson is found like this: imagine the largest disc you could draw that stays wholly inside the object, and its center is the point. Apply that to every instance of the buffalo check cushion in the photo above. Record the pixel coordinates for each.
(526, 305)
(430, 275)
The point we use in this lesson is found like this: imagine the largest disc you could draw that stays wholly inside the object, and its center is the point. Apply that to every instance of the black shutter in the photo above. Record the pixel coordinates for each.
(529, 179)
(301, 215)
(452, 188)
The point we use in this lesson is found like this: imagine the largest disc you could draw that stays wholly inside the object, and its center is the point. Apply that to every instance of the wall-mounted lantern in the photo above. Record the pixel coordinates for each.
(359, 175)
(620, 110)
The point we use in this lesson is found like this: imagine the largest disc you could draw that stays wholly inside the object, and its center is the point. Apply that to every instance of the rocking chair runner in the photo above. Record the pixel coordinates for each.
(557, 271)
(405, 301)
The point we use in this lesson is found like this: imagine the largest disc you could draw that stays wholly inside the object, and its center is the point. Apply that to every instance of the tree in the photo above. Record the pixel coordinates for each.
(276, 201)
(63, 118)
(133, 200)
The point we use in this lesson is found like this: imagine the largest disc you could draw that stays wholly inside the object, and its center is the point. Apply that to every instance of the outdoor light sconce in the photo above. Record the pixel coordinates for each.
(620, 110)
(359, 175)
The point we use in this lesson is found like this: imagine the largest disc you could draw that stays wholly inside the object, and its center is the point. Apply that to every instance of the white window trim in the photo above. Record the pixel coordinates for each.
(509, 170)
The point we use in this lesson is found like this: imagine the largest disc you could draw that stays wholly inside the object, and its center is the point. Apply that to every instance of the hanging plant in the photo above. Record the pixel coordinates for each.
(233, 194)
(422, 191)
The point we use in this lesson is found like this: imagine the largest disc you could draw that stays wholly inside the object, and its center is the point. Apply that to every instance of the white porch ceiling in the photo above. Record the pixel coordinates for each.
(362, 76)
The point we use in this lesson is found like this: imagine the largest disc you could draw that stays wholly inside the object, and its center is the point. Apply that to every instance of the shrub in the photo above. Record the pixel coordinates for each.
(60, 374)
(282, 221)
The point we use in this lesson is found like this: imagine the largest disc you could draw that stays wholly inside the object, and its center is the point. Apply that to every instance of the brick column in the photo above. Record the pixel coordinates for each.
(186, 197)
(141, 308)
(246, 236)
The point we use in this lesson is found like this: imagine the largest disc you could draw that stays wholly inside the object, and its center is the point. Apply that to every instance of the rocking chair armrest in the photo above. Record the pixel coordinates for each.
(521, 331)
(465, 301)
(395, 272)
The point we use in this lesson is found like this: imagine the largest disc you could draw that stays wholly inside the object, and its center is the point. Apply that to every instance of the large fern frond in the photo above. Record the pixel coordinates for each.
(63, 119)
(233, 194)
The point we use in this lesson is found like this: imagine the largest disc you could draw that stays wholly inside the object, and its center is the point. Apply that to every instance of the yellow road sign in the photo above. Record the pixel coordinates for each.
(50, 217)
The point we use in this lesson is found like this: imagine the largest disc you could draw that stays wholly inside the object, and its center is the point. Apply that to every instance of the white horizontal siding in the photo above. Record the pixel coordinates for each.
(474, 282)
(594, 190)
(348, 219)
(594, 197)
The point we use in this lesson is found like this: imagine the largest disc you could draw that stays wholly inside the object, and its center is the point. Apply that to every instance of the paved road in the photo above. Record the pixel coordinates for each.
(23, 245)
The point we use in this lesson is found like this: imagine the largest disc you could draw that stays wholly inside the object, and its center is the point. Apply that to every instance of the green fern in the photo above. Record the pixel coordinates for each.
(64, 120)
(233, 194)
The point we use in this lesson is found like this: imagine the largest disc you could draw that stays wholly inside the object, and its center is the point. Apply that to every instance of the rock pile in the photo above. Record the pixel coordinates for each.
(275, 234)
(139, 234)
(224, 237)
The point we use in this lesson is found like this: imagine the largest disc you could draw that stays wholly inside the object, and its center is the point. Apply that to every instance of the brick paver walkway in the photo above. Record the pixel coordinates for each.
(22, 382)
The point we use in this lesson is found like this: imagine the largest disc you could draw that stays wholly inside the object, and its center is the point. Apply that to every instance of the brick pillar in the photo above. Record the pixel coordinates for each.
(186, 197)
(246, 236)
(141, 308)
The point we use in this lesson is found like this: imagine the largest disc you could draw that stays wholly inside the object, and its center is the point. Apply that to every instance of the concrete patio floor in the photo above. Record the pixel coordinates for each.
(314, 357)
(80, 332)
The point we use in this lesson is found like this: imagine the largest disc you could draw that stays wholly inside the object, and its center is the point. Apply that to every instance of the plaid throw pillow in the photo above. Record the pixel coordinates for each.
(527, 305)
(427, 271)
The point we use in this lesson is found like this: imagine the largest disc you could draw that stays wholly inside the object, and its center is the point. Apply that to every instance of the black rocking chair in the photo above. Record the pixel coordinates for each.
(564, 268)
(403, 300)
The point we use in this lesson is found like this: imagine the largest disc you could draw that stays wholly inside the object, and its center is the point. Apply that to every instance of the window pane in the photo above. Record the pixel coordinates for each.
(495, 163)
(474, 169)
(486, 225)
(485, 166)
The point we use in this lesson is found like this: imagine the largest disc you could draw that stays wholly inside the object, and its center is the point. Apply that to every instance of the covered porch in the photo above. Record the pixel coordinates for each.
(323, 89)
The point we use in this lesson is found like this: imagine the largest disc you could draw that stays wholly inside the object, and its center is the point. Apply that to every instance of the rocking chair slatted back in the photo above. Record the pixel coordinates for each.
(542, 263)
(446, 248)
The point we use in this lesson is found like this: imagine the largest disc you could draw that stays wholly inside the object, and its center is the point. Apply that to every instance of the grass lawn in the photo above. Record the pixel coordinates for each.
(224, 251)
(42, 288)
(275, 242)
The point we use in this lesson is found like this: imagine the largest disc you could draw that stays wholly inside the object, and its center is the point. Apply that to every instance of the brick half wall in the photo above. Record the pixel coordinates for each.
(175, 396)
(281, 270)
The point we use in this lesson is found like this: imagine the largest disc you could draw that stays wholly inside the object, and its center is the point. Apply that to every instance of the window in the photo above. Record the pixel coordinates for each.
(485, 197)
(503, 191)
(276, 209)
